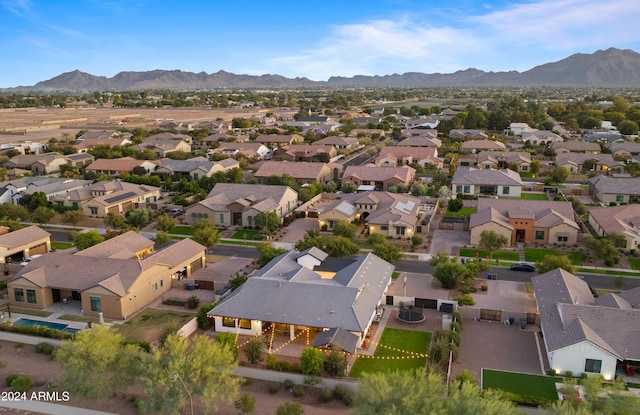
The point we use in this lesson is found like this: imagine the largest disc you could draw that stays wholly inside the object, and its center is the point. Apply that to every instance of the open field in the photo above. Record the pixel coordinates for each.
(151, 324)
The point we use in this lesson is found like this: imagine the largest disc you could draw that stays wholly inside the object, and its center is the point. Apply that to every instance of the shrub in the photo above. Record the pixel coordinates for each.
(204, 322)
(271, 362)
(336, 363)
(45, 348)
(9, 379)
(465, 300)
(290, 408)
(311, 361)
(274, 387)
(228, 340)
(298, 391)
(552, 372)
(344, 393)
(454, 336)
(568, 373)
(21, 384)
(455, 326)
(457, 316)
(192, 302)
(288, 384)
(253, 350)
(141, 406)
(283, 366)
(326, 395)
(246, 404)
(583, 375)
(40, 331)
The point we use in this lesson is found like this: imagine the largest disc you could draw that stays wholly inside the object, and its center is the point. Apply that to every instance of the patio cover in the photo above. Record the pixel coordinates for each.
(337, 337)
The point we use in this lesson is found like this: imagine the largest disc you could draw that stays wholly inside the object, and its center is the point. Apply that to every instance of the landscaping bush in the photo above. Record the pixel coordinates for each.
(457, 316)
(344, 393)
(326, 395)
(311, 361)
(290, 408)
(40, 331)
(288, 384)
(552, 372)
(272, 361)
(568, 373)
(253, 350)
(454, 336)
(192, 302)
(465, 299)
(274, 387)
(204, 322)
(9, 379)
(45, 348)
(228, 340)
(298, 391)
(455, 326)
(21, 384)
(336, 363)
(283, 366)
(583, 375)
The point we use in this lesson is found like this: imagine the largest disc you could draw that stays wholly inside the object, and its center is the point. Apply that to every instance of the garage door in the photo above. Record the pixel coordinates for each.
(40, 249)
(196, 265)
(127, 206)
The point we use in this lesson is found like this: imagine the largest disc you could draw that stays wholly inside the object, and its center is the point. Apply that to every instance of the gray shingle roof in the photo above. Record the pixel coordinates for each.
(340, 338)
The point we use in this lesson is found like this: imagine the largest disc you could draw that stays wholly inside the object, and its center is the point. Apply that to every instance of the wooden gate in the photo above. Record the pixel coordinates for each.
(493, 315)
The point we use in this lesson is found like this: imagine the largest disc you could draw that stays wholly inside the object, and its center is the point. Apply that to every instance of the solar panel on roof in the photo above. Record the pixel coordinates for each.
(120, 197)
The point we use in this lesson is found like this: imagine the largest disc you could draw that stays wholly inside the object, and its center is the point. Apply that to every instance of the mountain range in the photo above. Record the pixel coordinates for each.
(612, 67)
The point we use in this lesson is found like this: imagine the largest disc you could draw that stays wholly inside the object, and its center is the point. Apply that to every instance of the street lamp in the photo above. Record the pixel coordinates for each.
(177, 376)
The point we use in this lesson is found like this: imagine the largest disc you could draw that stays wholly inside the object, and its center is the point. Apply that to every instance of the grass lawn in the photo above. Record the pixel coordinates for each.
(411, 341)
(395, 275)
(247, 234)
(527, 175)
(82, 319)
(30, 312)
(61, 245)
(151, 324)
(239, 242)
(538, 254)
(465, 211)
(482, 253)
(606, 271)
(182, 230)
(634, 263)
(534, 196)
(523, 384)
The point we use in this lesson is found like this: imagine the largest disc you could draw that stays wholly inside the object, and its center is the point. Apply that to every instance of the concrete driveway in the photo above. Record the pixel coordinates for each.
(448, 241)
(297, 229)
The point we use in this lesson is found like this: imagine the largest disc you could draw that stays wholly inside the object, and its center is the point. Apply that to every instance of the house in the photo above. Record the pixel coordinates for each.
(480, 145)
(604, 137)
(252, 150)
(390, 214)
(277, 140)
(420, 141)
(105, 281)
(52, 188)
(429, 121)
(503, 160)
(367, 132)
(583, 334)
(84, 145)
(518, 128)
(624, 220)
(39, 164)
(425, 133)
(382, 178)
(301, 172)
(164, 147)
(501, 183)
(128, 245)
(115, 167)
(538, 221)
(167, 136)
(539, 137)
(577, 163)
(27, 147)
(624, 149)
(104, 197)
(467, 134)
(615, 189)
(23, 243)
(576, 147)
(230, 204)
(80, 160)
(339, 143)
(304, 152)
(196, 168)
(304, 300)
(398, 156)
(103, 135)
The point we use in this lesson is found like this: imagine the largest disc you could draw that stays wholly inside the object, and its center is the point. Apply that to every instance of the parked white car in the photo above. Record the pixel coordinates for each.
(28, 260)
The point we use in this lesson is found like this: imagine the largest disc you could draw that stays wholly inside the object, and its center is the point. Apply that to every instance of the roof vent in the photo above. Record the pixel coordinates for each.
(332, 312)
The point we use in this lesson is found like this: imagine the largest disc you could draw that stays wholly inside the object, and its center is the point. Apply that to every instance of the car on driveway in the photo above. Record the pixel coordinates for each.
(26, 261)
(523, 267)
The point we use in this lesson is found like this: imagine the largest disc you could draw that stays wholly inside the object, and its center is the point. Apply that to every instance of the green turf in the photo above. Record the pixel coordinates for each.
(182, 230)
(465, 211)
(538, 254)
(605, 271)
(534, 196)
(525, 385)
(238, 242)
(483, 253)
(61, 245)
(405, 340)
(246, 234)
(395, 275)
(634, 263)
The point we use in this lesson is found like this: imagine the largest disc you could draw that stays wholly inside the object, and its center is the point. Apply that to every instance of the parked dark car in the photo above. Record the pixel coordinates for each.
(523, 267)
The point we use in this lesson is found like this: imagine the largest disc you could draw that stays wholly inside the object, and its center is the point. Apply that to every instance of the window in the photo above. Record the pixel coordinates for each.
(154, 287)
(458, 189)
(195, 176)
(400, 230)
(222, 218)
(93, 210)
(162, 283)
(539, 235)
(228, 322)
(243, 323)
(467, 189)
(619, 198)
(505, 190)
(563, 238)
(384, 227)
(95, 304)
(19, 294)
(31, 296)
(524, 168)
(592, 365)
(250, 220)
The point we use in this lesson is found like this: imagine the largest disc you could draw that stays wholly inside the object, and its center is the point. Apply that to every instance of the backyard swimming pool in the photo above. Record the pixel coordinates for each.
(54, 326)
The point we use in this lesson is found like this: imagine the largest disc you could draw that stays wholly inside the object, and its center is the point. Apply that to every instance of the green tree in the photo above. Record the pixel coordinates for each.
(254, 350)
(336, 363)
(228, 340)
(388, 252)
(311, 361)
(449, 274)
(310, 239)
(617, 239)
(87, 239)
(37, 200)
(162, 238)
(73, 217)
(338, 246)
(416, 240)
(560, 174)
(492, 241)
(204, 366)
(376, 239)
(551, 262)
(114, 221)
(455, 205)
(268, 221)
(534, 167)
(440, 257)
(165, 223)
(43, 214)
(349, 187)
(601, 248)
(205, 234)
(345, 228)
(97, 363)
(628, 127)
(266, 252)
(139, 217)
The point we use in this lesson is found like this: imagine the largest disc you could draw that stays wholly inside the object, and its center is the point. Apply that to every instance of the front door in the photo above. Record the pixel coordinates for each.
(55, 293)
(236, 218)
(520, 234)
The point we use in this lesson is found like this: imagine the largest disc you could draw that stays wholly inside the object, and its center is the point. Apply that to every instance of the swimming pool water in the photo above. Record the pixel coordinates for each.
(54, 326)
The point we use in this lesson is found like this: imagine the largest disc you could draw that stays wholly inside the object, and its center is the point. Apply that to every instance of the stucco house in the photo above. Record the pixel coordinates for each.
(576, 147)
(302, 299)
(111, 279)
(302, 172)
(253, 150)
(421, 140)
(539, 137)
(583, 334)
(537, 221)
(164, 147)
(39, 164)
(340, 143)
(619, 219)
(196, 168)
(399, 156)
(518, 128)
(488, 182)
(115, 167)
(381, 178)
(467, 134)
(230, 204)
(278, 140)
(577, 163)
(23, 243)
(503, 160)
(303, 152)
(608, 189)
(480, 145)
(624, 149)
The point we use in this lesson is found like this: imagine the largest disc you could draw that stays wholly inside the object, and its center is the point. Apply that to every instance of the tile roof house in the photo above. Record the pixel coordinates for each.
(339, 143)
(109, 281)
(539, 137)
(604, 137)
(196, 168)
(230, 204)
(390, 214)
(617, 219)
(169, 136)
(503, 160)
(86, 144)
(300, 298)
(537, 221)
(429, 121)
(420, 132)
(576, 147)
(39, 164)
(501, 183)
(164, 147)
(254, 150)
(583, 162)
(479, 145)
(302, 172)
(615, 189)
(624, 149)
(518, 128)
(115, 167)
(467, 134)
(303, 152)
(583, 334)
(382, 178)
(23, 243)
(53, 188)
(277, 140)
(398, 156)
(113, 196)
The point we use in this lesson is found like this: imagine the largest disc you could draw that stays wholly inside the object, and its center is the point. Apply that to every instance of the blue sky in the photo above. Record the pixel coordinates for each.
(40, 39)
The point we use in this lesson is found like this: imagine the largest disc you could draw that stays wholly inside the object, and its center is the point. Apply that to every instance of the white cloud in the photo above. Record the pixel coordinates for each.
(18, 7)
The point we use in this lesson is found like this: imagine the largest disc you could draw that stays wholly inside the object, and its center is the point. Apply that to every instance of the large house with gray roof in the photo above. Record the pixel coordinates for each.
(488, 182)
(289, 295)
(623, 219)
(536, 222)
(583, 334)
(611, 190)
